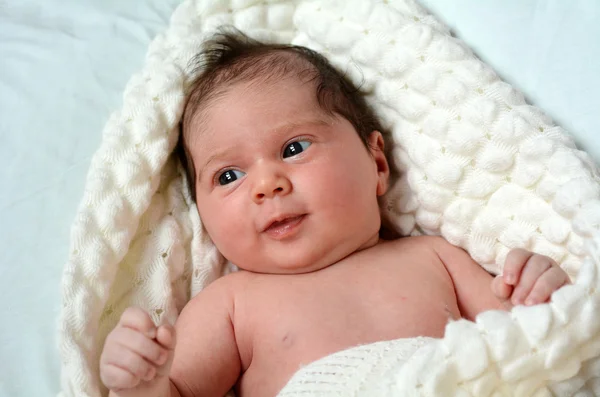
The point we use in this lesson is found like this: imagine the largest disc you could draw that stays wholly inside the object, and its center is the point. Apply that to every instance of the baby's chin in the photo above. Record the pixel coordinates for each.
(310, 260)
(287, 267)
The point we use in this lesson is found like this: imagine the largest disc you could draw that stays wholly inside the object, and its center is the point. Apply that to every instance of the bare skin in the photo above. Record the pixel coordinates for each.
(319, 313)
(289, 194)
(256, 330)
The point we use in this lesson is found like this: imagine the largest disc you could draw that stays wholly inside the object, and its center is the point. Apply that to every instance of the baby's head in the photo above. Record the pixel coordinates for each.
(283, 155)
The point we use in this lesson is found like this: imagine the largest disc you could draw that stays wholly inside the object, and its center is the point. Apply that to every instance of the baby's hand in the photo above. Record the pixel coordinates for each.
(136, 352)
(528, 278)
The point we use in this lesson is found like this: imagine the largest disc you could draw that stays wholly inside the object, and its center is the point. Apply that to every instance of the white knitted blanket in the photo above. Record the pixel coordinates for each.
(480, 167)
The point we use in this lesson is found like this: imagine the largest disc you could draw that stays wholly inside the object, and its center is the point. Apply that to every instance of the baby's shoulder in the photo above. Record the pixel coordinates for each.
(417, 244)
(225, 290)
(224, 286)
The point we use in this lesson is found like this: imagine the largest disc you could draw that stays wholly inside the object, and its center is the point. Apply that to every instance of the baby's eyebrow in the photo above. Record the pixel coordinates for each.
(280, 130)
(212, 157)
(294, 125)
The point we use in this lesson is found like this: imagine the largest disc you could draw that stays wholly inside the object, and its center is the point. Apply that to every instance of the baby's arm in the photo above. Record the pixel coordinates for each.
(528, 278)
(205, 360)
(471, 281)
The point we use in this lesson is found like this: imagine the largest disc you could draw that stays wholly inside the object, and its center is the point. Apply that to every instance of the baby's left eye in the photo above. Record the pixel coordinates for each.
(294, 148)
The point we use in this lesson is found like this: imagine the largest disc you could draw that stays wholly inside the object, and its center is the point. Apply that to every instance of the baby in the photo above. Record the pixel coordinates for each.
(287, 162)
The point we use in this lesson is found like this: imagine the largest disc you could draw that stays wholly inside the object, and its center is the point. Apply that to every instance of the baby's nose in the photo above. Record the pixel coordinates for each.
(270, 184)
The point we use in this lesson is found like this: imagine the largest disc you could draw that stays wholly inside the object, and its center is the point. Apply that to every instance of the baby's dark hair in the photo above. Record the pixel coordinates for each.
(231, 57)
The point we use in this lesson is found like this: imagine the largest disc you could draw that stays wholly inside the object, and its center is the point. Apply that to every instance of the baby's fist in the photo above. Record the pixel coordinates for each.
(136, 351)
(528, 278)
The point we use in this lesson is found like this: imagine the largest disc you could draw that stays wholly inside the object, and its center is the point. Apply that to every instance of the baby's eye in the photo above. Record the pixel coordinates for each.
(230, 176)
(294, 148)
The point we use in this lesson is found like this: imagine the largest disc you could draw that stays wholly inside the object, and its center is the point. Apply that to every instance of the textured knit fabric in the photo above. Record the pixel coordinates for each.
(367, 370)
(479, 166)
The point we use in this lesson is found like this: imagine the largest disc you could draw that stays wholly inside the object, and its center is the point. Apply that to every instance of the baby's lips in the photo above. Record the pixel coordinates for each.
(280, 218)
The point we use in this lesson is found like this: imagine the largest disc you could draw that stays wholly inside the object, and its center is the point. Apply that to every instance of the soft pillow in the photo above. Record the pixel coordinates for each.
(479, 166)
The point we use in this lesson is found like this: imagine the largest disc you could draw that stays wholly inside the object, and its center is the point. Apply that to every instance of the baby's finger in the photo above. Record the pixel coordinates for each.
(138, 319)
(140, 344)
(535, 267)
(546, 284)
(165, 335)
(500, 289)
(128, 361)
(116, 378)
(150, 374)
(513, 266)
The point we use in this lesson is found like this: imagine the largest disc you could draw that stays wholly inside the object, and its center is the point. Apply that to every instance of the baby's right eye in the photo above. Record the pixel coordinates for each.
(229, 176)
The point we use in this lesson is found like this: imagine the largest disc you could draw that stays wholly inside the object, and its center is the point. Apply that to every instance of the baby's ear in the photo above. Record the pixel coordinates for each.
(376, 146)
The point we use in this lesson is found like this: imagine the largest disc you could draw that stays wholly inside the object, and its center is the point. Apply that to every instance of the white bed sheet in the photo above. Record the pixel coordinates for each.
(63, 67)
(64, 64)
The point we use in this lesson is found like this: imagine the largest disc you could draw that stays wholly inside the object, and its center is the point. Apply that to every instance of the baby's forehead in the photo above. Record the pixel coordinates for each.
(224, 103)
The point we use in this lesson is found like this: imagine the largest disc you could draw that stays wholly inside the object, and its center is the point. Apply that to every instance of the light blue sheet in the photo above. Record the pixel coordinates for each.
(63, 67)
(548, 49)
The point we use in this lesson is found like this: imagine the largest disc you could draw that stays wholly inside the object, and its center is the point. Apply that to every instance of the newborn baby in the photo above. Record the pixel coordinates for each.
(287, 162)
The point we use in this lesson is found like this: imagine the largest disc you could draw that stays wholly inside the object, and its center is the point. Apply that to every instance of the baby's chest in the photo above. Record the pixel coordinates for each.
(308, 320)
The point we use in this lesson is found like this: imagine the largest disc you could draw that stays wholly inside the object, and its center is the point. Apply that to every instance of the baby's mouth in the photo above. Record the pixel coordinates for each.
(284, 227)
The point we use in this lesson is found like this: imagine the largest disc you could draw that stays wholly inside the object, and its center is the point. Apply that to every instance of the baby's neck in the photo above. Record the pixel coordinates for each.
(373, 241)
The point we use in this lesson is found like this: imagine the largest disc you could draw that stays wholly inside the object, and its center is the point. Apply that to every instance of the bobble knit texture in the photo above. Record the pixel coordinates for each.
(478, 166)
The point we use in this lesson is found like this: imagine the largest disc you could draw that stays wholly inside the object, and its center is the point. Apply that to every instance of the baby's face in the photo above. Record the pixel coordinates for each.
(283, 187)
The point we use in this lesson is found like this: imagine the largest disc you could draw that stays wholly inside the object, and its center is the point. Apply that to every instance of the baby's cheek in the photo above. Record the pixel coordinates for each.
(339, 192)
(343, 179)
(223, 224)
